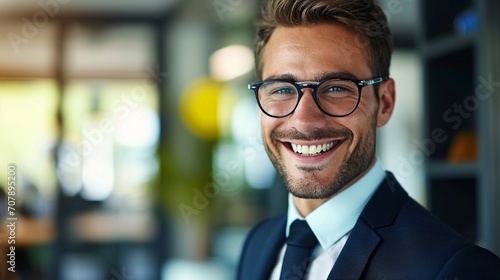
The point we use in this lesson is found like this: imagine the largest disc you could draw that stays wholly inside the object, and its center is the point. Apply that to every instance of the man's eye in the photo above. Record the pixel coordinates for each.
(283, 91)
(339, 90)
(336, 89)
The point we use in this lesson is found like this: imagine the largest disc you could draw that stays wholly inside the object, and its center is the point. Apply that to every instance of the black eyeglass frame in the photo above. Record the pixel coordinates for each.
(314, 85)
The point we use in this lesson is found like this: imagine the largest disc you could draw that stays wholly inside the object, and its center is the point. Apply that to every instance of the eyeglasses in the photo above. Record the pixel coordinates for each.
(334, 97)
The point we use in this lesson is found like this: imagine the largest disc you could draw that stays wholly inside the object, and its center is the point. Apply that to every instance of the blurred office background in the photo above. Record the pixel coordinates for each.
(137, 144)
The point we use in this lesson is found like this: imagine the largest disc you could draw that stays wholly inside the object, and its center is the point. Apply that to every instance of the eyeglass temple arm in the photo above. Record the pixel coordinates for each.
(373, 81)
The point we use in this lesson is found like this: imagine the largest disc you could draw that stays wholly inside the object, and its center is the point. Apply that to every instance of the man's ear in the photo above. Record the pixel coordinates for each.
(387, 99)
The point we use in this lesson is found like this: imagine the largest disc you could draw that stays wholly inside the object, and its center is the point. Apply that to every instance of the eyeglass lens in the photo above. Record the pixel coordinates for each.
(335, 97)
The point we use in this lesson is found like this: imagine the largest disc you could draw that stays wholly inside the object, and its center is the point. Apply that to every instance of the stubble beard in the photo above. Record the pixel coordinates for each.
(353, 164)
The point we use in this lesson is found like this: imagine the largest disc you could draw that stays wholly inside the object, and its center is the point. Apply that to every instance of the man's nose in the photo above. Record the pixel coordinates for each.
(307, 109)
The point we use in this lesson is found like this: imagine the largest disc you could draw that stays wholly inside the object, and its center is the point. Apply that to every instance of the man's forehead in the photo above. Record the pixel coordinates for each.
(328, 31)
(324, 45)
(319, 39)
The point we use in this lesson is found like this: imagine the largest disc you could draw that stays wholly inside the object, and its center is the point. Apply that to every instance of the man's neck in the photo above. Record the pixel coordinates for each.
(306, 206)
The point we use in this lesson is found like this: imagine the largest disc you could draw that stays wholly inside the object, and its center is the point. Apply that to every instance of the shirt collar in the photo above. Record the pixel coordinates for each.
(337, 216)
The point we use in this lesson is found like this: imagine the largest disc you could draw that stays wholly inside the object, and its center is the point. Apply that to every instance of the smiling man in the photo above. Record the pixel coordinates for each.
(324, 90)
(325, 142)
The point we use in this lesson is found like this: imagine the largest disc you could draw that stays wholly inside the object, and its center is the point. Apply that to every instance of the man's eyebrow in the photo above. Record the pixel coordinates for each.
(320, 77)
(336, 75)
(286, 76)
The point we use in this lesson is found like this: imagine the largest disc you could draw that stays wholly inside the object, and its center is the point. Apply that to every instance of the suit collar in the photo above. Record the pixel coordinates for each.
(380, 211)
(385, 203)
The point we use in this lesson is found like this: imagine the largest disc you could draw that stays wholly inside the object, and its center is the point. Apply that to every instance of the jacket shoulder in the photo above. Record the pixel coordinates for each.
(263, 228)
(261, 247)
(419, 245)
(471, 262)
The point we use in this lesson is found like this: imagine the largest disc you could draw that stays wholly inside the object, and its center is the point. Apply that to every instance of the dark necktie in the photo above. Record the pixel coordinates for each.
(300, 244)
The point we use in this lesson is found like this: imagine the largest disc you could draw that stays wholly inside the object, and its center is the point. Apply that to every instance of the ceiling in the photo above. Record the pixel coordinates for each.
(86, 7)
(402, 14)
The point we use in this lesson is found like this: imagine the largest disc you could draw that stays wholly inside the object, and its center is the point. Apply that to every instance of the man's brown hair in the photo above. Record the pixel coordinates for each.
(364, 17)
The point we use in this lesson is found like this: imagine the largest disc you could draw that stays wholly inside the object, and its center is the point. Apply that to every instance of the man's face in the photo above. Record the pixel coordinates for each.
(310, 54)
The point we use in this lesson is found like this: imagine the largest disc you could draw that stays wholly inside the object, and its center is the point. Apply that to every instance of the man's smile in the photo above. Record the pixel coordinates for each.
(315, 149)
(311, 153)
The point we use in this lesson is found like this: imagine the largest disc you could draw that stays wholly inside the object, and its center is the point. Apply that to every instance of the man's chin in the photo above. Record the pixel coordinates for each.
(309, 169)
(309, 196)
(307, 190)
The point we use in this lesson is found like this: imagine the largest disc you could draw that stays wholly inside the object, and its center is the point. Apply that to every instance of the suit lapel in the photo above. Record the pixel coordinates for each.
(270, 249)
(356, 253)
(380, 211)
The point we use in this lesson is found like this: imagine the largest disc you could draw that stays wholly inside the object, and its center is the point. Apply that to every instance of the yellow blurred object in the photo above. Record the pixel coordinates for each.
(464, 147)
(199, 105)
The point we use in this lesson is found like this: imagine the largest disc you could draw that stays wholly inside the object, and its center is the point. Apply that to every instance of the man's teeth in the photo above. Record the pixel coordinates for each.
(312, 150)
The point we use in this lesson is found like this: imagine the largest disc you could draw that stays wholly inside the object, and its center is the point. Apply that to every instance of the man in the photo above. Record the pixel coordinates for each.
(325, 89)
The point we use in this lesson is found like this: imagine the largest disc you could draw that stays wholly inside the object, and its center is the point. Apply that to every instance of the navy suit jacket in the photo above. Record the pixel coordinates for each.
(394, 238)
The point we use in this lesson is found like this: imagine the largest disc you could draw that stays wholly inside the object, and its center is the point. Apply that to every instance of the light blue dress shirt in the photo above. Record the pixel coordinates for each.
(336, 217)
(332, 221)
